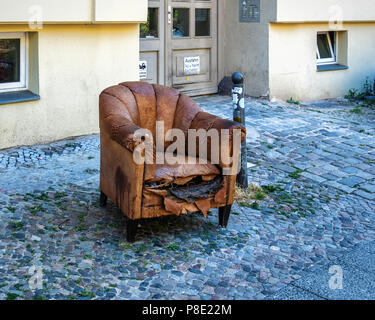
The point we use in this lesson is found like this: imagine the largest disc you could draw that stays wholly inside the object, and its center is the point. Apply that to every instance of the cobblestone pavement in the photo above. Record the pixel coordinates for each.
(349, 277)
(316, 163)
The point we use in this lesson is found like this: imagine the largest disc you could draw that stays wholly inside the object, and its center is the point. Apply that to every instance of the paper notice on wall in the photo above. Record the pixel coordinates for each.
(143, 70)
(192, 65)
(237, 90)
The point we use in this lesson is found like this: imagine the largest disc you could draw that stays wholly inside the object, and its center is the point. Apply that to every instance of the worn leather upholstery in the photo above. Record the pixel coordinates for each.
(143, 190)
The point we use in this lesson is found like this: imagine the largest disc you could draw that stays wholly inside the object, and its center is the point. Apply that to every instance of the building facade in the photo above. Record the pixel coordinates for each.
(286, 48)
(56, 56)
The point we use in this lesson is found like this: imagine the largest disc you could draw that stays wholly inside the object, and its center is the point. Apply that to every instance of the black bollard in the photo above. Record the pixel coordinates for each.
(238, 95)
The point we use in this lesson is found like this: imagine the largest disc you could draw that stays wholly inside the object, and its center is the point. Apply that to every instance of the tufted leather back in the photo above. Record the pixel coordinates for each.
(143, 104)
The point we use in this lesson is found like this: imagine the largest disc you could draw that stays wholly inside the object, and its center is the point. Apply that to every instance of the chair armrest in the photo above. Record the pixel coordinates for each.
(121, 179)
(207, 121)
(121, 130)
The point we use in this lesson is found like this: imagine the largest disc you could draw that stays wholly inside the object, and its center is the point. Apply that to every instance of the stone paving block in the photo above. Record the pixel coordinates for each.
(305, 142)
(329, 177)
(322, 145)
(352, 160)
(352, 141)
(346, 154)
(362, 150)
(365, 175)
(329, 167)
(321, 163)
(280, 133)
(294, 156)
(285, 168)
(368, 187)
(321, 153)
(273, 154)
(350, 170)
(284, 150)
(366, 195)
(332, 134)
(302, 166)
(351, 181)
(369, 156)
(317, 171)
(371, 170)
(313, 157)
(339, 173)
(313, 177)
(334, 157)
(302, 151)
(339, 186)
(361, 158)
(340, 164)
(363, 166)
(331, 142)
(303, 159)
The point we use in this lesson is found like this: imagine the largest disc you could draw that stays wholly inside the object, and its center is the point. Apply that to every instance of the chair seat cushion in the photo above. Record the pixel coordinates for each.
(180, 173)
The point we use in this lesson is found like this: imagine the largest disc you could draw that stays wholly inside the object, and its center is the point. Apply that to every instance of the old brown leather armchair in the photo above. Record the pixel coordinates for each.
(154, 190)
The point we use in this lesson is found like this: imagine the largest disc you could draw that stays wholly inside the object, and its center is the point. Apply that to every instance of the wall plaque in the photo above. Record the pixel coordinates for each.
(249, 10)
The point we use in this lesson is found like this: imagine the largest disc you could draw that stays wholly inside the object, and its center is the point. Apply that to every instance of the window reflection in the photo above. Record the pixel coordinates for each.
(202, 22)
(180, 22)
(150, 29)
(9, 60)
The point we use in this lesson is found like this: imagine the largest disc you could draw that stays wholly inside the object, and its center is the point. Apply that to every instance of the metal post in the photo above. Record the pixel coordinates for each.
(238, 95)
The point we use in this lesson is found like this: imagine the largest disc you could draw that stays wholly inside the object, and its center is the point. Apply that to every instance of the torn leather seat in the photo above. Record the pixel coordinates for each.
(180, 173)
(144, 190)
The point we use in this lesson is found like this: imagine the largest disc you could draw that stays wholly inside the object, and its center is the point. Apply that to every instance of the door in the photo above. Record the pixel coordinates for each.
(178, 45)
(191, 46)
(152, 44)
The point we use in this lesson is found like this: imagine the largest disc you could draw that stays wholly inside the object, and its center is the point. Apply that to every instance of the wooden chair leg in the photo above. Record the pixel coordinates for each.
(103, 199)
(131, 229)
(224, 213)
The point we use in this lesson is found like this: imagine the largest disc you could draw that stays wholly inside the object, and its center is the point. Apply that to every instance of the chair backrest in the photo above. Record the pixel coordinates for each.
(144, 104)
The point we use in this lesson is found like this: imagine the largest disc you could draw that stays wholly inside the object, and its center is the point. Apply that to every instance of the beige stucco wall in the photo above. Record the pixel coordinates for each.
(21, 11)
(293, 68)
(246, 46)
(325, 10)
(76, 62)
(120, 10)
(73, 11)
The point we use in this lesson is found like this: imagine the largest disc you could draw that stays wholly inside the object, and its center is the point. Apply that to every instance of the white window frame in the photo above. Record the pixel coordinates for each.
(22, 84)
(332, 48)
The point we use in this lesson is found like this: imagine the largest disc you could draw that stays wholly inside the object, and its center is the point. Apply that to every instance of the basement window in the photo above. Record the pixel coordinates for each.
(326, 48)
(19, 75)
(12, 62)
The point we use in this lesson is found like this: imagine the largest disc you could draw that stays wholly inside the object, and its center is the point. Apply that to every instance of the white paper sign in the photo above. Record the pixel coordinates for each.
(192, 65)
(143, 70)
(237, 90)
